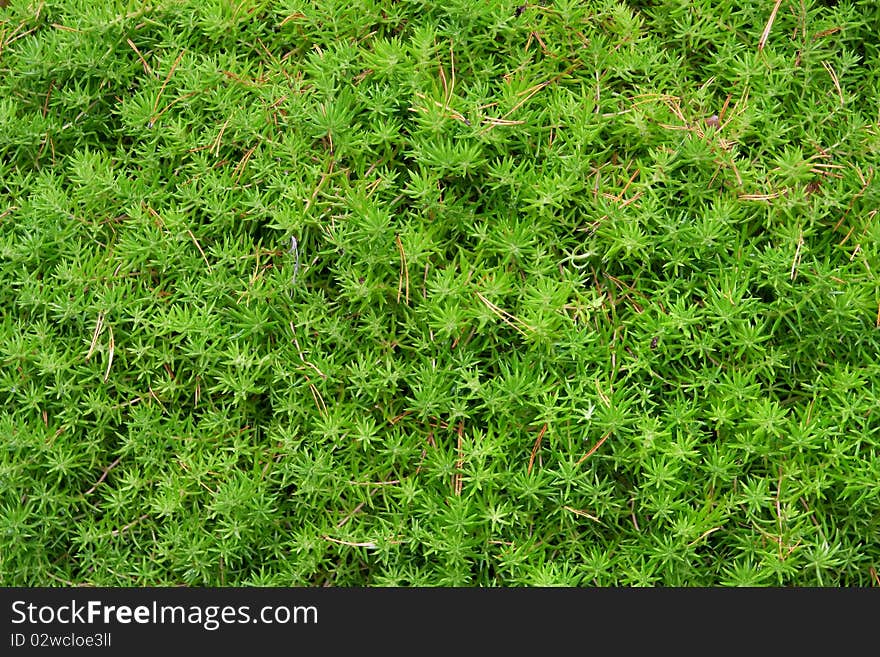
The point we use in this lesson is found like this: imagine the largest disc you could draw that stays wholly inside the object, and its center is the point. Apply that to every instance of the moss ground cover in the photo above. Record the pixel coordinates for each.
(440, 294)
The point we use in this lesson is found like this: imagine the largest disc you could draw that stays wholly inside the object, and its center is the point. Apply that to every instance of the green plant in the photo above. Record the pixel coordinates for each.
(411, 293)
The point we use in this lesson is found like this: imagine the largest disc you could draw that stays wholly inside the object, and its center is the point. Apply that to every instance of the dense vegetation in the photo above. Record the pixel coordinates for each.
(457, 293)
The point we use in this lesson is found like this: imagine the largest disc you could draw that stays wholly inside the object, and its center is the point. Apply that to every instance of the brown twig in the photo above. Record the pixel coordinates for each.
(594, 448)
(164, 84)
(582, 513)
(103, 476)
(458, 481)
(111, 350)
(766, 34)
(536, 447)
(404, 271)
(122, 530)
(146, 66)
(366, 544)
(505, 316)
(834, 79)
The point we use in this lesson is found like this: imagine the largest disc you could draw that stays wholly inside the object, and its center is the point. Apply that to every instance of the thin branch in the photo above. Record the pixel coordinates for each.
(164, 84)
(404, 271)
(536, 447)
(103, 476)
(764, 36)
(582, 513)
(594, 448)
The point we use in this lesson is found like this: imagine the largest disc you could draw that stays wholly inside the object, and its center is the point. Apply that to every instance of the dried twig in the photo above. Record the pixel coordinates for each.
(457, 479)
(404, 271)
(763, 40)
(366, 544)
(536, 448)
(582, 513)
(162, 88)
(505, 316)
(797, 257)
(835, 80)
(111, 351)
(103, 476)
(593, 448)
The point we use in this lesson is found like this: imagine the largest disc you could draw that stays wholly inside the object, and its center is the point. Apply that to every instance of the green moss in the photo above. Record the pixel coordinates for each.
(582, 293)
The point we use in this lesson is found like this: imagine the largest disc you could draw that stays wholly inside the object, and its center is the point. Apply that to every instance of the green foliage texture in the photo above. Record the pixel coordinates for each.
(465, 293)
